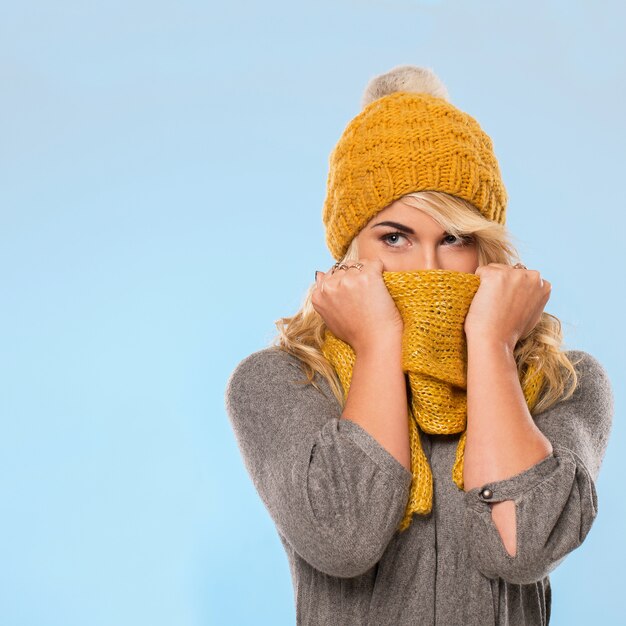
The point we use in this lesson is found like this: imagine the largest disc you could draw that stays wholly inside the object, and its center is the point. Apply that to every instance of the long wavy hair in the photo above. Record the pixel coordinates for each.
(303, 333)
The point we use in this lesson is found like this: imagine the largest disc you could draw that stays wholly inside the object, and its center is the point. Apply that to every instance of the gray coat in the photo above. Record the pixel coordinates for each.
(336, 497)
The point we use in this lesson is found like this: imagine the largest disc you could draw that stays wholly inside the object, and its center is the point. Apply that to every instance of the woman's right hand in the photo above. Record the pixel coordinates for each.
(356, 305)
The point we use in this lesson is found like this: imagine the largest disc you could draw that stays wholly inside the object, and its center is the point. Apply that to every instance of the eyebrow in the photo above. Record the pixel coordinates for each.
(402, 227)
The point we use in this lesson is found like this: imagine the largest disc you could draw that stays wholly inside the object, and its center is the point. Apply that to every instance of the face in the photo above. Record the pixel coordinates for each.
(406, 239)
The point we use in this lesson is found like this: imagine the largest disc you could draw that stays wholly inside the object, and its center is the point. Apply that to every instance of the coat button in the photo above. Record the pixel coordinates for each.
(486, 493)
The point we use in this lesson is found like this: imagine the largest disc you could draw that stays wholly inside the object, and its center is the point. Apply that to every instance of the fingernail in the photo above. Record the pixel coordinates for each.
(316, 273)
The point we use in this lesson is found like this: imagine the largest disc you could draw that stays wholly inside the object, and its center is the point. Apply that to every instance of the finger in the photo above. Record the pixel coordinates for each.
(492, 266)
(375, 265)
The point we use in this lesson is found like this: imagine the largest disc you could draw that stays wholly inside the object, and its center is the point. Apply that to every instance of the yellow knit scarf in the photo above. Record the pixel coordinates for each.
(433, 305)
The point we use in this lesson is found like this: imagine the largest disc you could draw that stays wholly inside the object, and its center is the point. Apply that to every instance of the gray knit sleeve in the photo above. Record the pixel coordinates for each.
(332, 490)
(555, 499)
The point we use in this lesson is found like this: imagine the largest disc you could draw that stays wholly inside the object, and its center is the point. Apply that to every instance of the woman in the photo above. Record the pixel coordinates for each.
(426, 449)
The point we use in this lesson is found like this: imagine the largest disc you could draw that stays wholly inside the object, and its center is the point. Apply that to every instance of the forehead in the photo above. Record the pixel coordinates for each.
(399, 211)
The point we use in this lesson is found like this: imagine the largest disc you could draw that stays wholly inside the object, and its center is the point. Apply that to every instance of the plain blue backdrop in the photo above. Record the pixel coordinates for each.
(163, 168)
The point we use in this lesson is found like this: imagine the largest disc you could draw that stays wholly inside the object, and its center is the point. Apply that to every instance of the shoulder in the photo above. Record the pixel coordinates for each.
(269, 390)
(594, 384)
(589, 410)
(267, 364)
(272, 375)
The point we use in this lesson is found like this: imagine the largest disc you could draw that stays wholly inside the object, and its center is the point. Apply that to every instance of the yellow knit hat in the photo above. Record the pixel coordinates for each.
(407, 138)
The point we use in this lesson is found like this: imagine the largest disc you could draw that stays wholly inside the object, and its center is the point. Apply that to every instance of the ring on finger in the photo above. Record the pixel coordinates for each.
(343, 266)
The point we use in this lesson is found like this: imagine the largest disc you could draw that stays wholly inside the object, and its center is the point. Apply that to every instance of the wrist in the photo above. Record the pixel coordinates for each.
(489, 343)
(380, 345)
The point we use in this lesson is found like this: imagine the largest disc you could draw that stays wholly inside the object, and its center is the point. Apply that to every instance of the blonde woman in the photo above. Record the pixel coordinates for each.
(425, 446)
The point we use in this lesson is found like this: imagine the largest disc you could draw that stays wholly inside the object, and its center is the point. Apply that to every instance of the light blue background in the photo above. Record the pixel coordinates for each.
(163, 167)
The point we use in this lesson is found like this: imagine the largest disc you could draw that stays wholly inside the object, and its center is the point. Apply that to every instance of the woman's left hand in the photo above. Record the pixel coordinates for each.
(508, 303)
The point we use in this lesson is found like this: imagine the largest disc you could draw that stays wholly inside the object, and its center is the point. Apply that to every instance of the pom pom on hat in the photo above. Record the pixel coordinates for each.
(404, 78)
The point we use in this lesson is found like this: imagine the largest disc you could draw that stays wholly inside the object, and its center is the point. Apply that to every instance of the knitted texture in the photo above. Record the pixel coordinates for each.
(433, 305)
(402, 143)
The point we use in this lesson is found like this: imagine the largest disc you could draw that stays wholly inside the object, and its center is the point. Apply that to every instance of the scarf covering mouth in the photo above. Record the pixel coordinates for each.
(433, 305)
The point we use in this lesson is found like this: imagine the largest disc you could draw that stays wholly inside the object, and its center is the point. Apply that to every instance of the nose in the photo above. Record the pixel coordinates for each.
(430, 259)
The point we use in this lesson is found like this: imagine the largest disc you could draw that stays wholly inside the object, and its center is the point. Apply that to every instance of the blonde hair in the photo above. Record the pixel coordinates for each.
(303, 333)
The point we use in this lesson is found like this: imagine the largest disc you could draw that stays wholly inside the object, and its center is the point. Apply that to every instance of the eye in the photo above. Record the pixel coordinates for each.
(393, 239)
(389, 239)
(461, 240)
